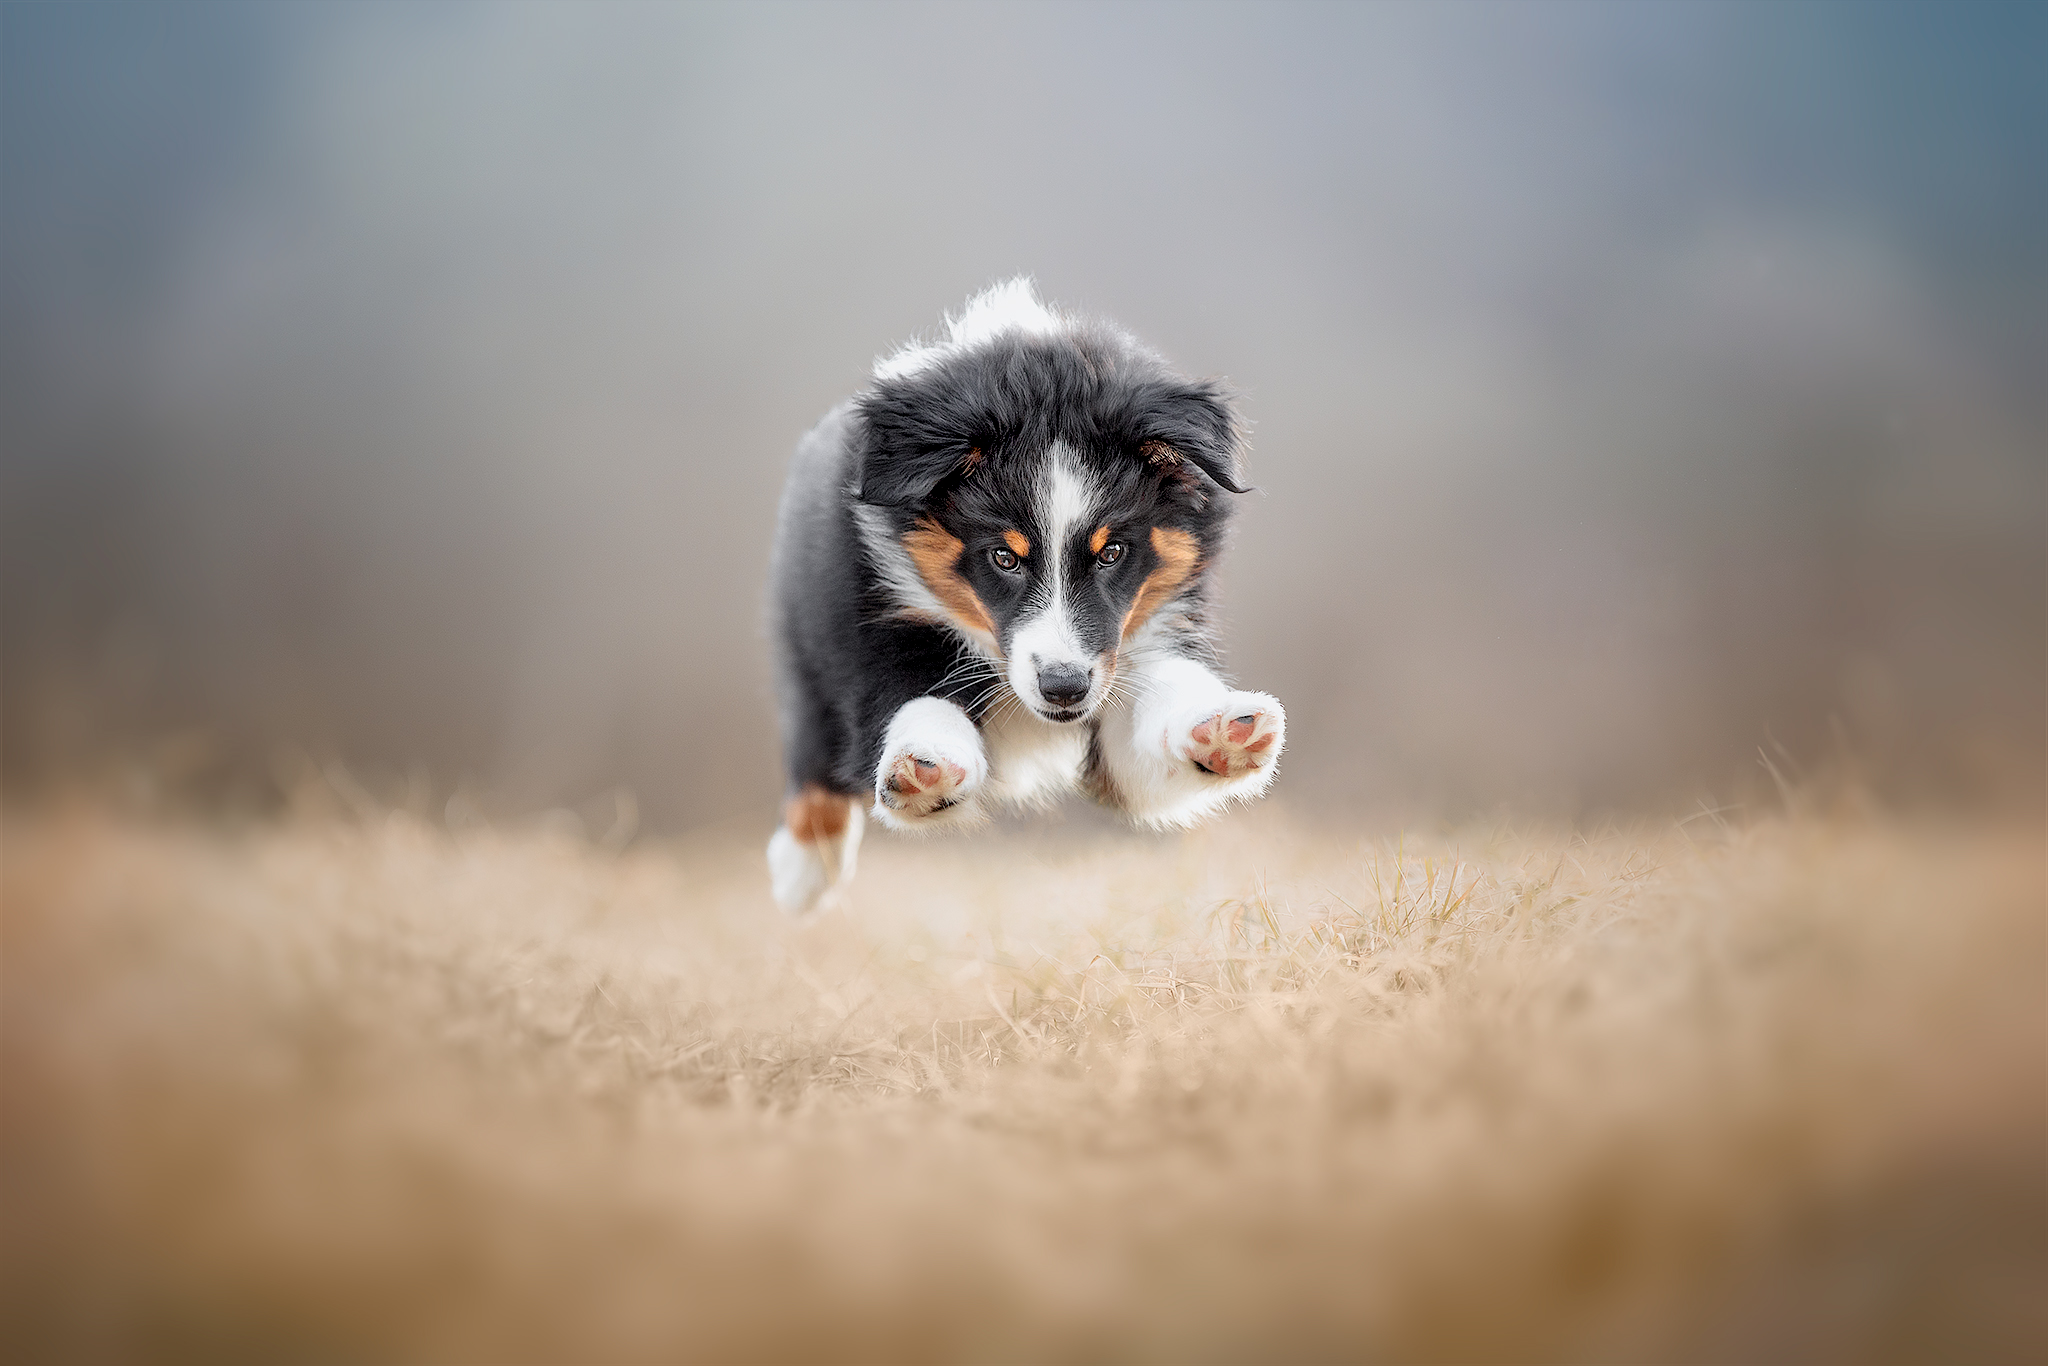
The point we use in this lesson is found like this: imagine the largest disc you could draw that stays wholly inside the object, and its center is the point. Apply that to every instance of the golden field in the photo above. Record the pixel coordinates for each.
(358, 1087)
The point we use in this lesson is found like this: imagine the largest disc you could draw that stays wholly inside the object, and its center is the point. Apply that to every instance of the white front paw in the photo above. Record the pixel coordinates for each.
(1237, 739)
(932, 767)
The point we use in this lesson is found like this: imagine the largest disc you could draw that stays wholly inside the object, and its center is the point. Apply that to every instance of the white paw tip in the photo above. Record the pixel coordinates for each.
(797, 875)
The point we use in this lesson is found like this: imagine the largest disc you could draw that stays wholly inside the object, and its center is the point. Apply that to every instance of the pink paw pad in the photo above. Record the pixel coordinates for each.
(1230, 746)
(920, 786)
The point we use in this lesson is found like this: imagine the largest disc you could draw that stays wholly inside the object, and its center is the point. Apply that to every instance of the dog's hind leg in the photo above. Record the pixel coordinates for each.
(816, 849)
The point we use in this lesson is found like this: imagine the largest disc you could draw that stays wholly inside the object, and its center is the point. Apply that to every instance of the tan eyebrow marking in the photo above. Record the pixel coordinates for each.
(936, 553)
(1018, 542)
(1178, 555)
(1098, 540)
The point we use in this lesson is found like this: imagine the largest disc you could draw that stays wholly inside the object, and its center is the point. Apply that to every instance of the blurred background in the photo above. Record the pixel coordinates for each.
(1633, 386)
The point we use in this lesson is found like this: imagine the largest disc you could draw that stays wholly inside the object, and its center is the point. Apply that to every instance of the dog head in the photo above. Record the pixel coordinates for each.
(1045, 488)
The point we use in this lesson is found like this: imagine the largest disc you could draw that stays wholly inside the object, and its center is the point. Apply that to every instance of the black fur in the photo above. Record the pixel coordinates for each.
(965, 443)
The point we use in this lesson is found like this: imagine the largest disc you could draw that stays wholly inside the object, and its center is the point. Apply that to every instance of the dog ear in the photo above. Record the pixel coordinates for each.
(897, 478)
(907, 449)
(1192, 422)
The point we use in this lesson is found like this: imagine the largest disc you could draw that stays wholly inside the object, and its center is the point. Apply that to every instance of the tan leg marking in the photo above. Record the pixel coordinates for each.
(815, 814)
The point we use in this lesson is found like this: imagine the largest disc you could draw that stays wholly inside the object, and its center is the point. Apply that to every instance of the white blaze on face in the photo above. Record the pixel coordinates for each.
(1045, 638)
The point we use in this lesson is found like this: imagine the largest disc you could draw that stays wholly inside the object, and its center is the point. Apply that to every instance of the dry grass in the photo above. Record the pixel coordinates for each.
(366, 1089)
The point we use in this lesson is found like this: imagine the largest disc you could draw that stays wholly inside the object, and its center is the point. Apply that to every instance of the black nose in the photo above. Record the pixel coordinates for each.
(1062, 685)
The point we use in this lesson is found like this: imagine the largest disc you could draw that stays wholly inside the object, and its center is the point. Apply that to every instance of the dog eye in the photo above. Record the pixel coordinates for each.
(1110, 554)
(1005, 560)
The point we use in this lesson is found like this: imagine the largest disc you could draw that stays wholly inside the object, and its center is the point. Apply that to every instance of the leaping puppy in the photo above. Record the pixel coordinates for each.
(991, 587)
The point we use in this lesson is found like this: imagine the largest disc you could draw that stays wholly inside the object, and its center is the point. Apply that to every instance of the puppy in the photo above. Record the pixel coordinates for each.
(991, 587)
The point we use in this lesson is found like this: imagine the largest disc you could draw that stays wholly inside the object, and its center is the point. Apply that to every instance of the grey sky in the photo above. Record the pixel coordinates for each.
(1632, 385)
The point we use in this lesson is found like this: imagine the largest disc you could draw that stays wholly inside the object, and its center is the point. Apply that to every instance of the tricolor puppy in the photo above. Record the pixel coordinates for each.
(991, 587)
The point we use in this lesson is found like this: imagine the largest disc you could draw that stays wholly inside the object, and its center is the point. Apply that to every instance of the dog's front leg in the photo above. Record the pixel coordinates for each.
(1185, 743)
(932, 768)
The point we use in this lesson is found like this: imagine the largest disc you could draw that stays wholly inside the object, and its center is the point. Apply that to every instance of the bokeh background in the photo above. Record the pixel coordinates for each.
(1634, 386)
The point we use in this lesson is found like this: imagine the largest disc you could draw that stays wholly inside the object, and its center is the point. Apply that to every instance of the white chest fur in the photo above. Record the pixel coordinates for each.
(1032, 762)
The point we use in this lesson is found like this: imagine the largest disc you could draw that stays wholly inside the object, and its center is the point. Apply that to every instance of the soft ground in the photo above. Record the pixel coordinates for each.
(364, 1088)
